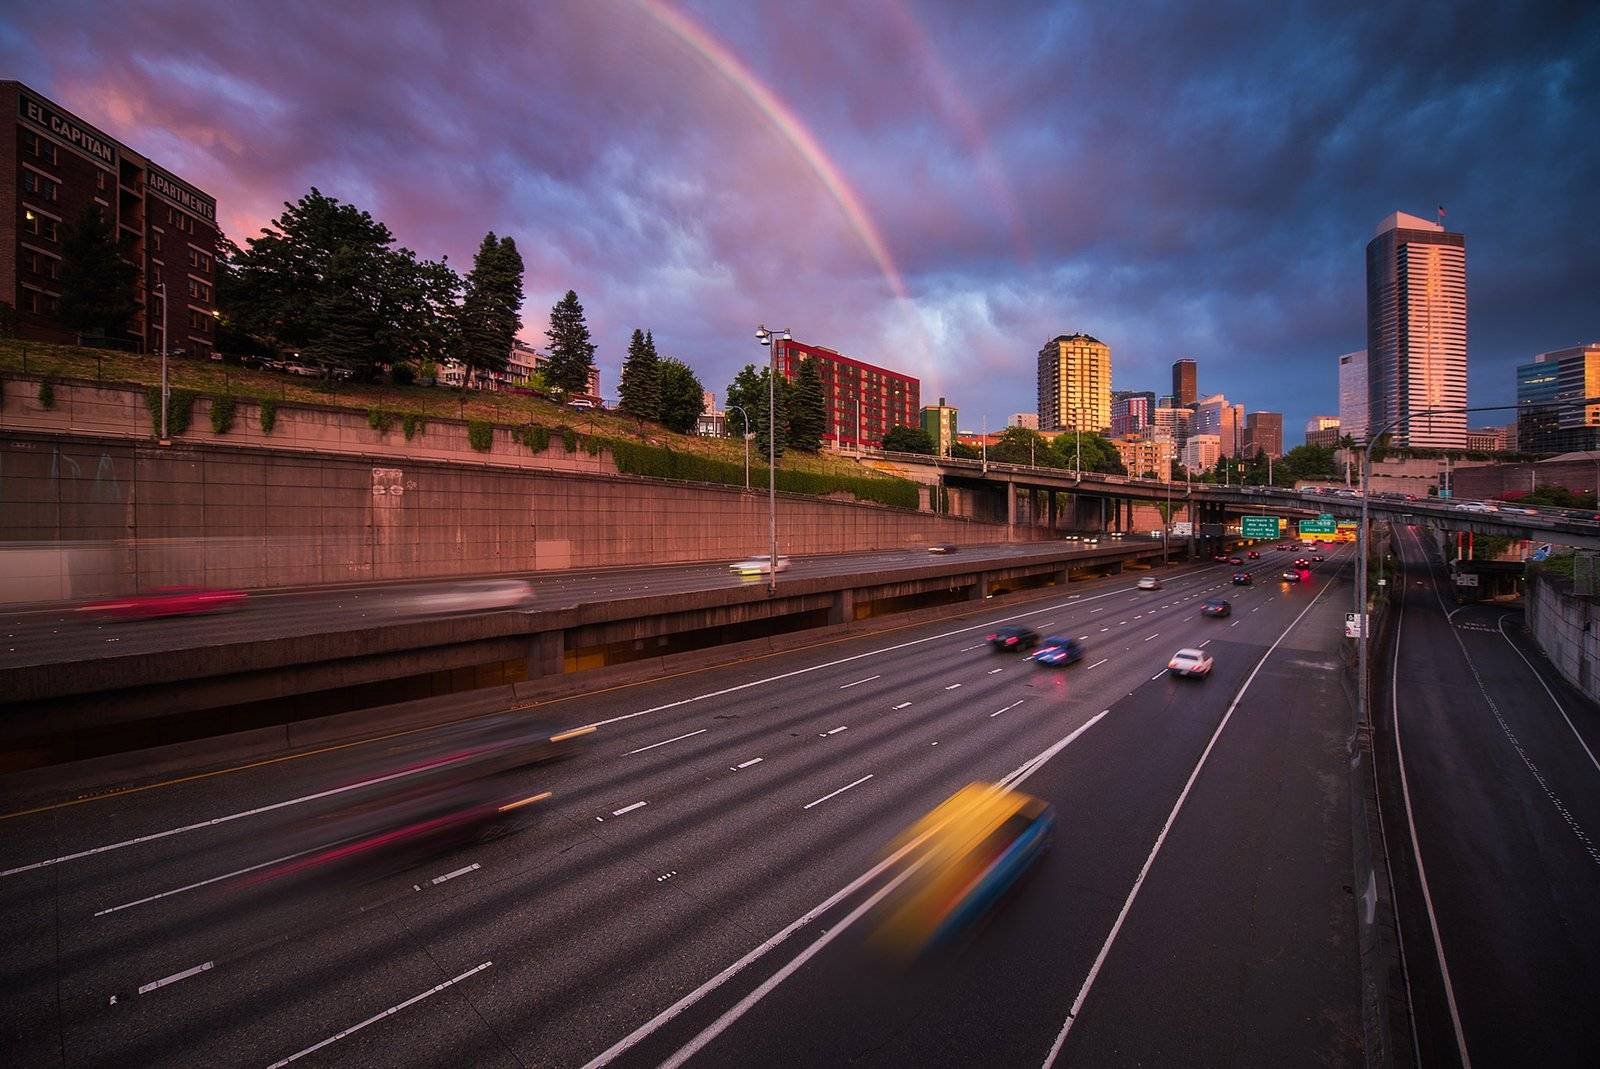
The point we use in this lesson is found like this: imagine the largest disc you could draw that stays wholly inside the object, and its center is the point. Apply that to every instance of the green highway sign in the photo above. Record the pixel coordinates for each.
(1258, 526)
(1325, 517)
(1320, 525)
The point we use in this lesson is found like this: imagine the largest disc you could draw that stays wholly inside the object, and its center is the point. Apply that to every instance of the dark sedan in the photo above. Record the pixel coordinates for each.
(1216, 607)
(1241, 579)
(1058, 651)
(1013, 638)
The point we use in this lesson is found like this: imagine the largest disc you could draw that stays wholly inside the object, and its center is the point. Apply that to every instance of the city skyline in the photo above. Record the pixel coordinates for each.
(610, 193)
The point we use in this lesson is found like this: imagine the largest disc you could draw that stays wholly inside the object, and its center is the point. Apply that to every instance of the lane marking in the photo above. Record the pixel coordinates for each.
(1500, 626)
(968, 649)
(447, 877)
(858, 682)
(1013, 705)
(952, 686)
(835, 731)
(375, 1018)
(1204, 644)
(994, 671)
(747, 764)
(175, 977)
(664, 742)
(841, 790)
(1156, 635)
(1158, 675)
(902, 705)
(203, 883)
(1172, 817)
(1082, 637)
(1234, 624)
(628, 808)
(1097, 664)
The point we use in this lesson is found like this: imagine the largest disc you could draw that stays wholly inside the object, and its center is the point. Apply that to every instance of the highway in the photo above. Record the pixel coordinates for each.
(691, 889)
(1493, 832)
(60, 635)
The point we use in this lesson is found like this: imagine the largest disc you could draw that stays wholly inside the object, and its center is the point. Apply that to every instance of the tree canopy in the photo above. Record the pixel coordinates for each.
(807, 409)
(491, 307)
(640, 388)
(682, 396)
(98, 294)
(749, 391)
(908, 440)
(571, 348)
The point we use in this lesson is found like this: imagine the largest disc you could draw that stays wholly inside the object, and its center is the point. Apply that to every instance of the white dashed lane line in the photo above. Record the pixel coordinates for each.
(902, 705)
(1097, 664)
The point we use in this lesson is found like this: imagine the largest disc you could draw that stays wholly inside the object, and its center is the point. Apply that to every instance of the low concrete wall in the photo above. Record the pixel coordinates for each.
(1564, 627)
(140, 515)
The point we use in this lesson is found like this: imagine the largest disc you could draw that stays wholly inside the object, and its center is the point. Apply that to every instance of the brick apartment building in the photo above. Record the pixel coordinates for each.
(55, 167)
(883, 398)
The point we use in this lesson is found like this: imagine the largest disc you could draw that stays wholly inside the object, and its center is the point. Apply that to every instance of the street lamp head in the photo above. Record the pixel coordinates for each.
(784, 334)
(763, 335)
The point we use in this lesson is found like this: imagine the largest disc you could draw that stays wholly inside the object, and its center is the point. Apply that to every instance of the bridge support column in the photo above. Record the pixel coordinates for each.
(980, 588)
(1011, 512)
(843, 609)
(547, 654)
(1114, 568)
(1050, 508)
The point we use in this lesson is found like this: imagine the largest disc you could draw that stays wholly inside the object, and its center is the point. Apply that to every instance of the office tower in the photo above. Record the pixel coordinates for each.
(1075, 384)
(1131, 411)
(1185, 390)
(1417, 332)
(1353, 395)
(1547, 420)
(939, 424)
(1263, 431)
(1215, 415)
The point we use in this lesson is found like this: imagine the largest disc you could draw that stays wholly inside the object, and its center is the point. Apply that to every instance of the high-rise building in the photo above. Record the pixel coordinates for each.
(1326, 434)
(54, 167)
(1075, 384)
(1215, 415)
(1030, 420)
(1145, 455)
(1547, 419)
(1416, 332)
(1131, 411)
(1490, 439)
(1321, 423)
(939, 424)
(863, 400)
(1171, 423)
(1185, 382)
(1353, 394)
(1202, 451)
(1263, 431)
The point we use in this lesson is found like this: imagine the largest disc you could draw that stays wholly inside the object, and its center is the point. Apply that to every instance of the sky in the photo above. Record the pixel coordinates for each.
(939, 188)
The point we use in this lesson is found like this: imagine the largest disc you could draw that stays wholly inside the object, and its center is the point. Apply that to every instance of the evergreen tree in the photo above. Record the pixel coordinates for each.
(571, 350)
(682, 396)
(641, 387)
(342, 327)
(807, 409)
(490, 310)
(97, 284)
(761, 407)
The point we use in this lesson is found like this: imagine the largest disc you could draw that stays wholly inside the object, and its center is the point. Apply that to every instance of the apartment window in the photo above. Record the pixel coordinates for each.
(37, 225)
(199, 260)
(40, 264)
(199, 291)
(155, 238)
(40, 149)
(199, 321)
(38, 303)
(39, 186)
(100, 181)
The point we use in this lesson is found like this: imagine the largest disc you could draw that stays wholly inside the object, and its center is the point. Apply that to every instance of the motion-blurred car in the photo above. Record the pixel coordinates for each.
(1302, 562)
(1290, 577)
(1318, 557)
(758, 566)
(1221, 558)
(1216, 607)
(477, 595)
(1241, 578)
(1149, 582)
(960, 860)
(1013, 638)
(1235, 560)
(1058, 651)
(942, 547)
(165, 601)
(1190, 663)
(1253, 555)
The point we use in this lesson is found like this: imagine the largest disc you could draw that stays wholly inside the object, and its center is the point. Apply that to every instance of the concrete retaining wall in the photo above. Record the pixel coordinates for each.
(1565, 629)
(115, 516)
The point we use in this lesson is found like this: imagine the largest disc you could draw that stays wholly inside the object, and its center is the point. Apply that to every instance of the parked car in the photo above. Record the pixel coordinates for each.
(1058, 651)
(758, 566)
(1002, 639)
(165, 601)
(582, 404)
(942, 547)
(1149, 582)
(1190, 663)
(1216, 607)
(1241, 578)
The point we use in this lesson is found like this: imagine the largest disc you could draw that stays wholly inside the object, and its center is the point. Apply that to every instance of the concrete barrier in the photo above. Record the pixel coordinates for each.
(1563, 626)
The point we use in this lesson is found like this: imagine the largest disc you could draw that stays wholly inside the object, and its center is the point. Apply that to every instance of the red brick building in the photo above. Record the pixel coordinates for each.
(53, 166)
(883, 398)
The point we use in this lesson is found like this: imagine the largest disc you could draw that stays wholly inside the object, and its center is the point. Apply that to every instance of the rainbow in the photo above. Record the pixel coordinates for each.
(788, 125)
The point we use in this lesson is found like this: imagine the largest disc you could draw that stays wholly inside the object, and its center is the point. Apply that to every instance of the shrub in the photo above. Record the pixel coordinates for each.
(569, 439)
(635, 458)
(402, 375)
(412, 423)
(380, 419)
(269, 416)
(180, 407)
(47, 394)
(535, 437)
(222, 414)
(591, 445)
(480, 434)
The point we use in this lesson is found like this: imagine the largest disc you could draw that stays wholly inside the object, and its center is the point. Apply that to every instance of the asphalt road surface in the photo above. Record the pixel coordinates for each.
(691, 890)
(59, 635)
(1493, 833)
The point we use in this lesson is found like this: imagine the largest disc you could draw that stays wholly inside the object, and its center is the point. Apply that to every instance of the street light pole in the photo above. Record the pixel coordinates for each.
(744, 423)
(767, 337)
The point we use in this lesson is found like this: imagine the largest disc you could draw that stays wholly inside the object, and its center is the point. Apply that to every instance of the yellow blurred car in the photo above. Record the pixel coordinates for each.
(965, 854)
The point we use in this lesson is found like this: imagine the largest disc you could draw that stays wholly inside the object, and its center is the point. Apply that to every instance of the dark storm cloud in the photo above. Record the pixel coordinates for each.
(1176, 179)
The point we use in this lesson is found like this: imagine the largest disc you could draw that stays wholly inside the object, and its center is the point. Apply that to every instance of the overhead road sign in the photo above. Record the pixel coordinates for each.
(1259, 526)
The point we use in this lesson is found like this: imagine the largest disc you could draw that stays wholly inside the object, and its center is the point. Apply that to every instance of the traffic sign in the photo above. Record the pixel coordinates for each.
(1542, 553)
(1320, 525)
(1325, 517)
(1259, 526)
(1352, 625)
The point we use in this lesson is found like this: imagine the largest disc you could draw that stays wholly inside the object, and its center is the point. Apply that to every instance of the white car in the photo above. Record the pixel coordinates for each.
(1149, 582)
(1476, 506)
(477, 595)
(1190, 662)
(758, 566)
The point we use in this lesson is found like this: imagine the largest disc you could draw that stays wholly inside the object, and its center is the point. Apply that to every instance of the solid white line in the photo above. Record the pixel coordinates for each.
(1122, 915)
(1013, 705)
(902, 705)
(747, 764)
(1098, 663)
(834, 731)
(841, 790)
(664, 742)
(858, 682)
(952, 686)
(1411, 826)
(214, 821)
(375, 1018)
(1500, 625)
(462, 871)
(632, 1039)
(202, 883)
(628, 808)
(175, 977)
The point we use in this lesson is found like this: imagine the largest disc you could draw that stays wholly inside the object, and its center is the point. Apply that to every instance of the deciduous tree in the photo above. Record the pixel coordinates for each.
(682, 395)
(97, 284)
